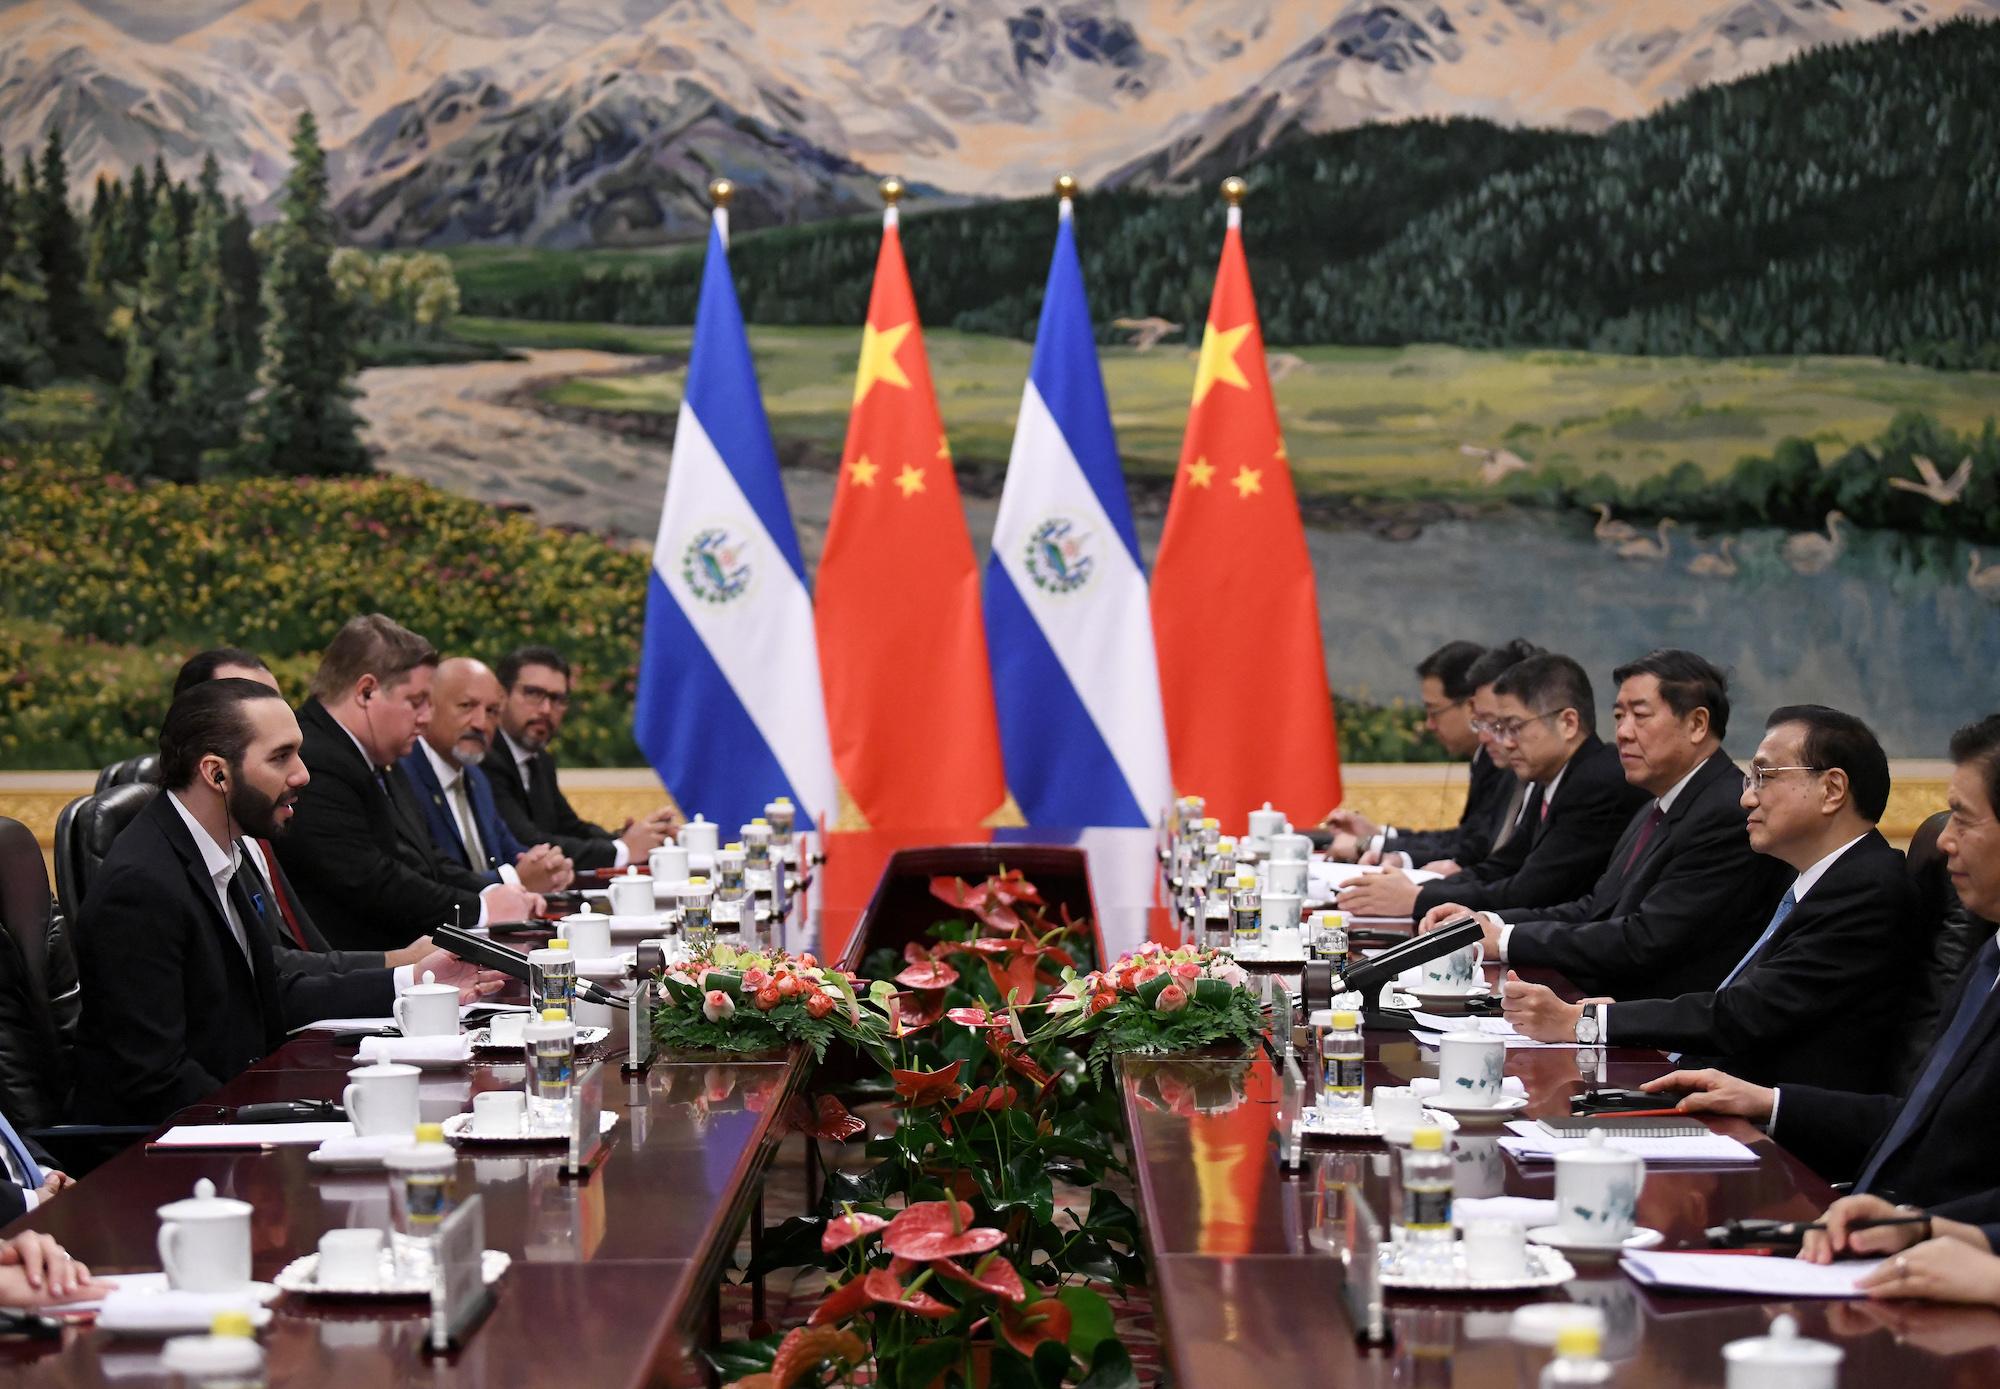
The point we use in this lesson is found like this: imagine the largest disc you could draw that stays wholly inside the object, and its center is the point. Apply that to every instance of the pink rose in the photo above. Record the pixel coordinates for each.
(1185, 972)
(1146, 972)
(1229, 972)
(717, 1005)
(1171, 999)
(755, 979)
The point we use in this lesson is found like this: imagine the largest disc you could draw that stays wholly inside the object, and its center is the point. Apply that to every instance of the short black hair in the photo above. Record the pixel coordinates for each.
(1980, 742)
(509, 669)
(1498, 660)
(1836, 739)
(1448, 666)
(1687, 682)
(1550, 683)
(201, 667)
(207, 718)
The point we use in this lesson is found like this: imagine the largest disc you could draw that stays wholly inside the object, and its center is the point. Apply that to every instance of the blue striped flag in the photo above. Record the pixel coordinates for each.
(1068, 630)
(729, 709)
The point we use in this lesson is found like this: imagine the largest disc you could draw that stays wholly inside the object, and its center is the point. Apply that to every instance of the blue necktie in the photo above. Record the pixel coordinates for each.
(1978, 989)
(26, 1162)
(1777, 919)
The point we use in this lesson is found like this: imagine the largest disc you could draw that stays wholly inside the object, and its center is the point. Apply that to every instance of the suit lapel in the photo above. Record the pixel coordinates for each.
(542, 794)
(204, 888)
(424, 782)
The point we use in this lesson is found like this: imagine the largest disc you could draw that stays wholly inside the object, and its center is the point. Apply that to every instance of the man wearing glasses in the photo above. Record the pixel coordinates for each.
(1452, 678)
(523, 771)
(1577, 802)
(1829, 973)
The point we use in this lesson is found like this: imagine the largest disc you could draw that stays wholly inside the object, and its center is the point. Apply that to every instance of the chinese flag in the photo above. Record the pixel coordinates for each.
(902, 650)
(1235, 617)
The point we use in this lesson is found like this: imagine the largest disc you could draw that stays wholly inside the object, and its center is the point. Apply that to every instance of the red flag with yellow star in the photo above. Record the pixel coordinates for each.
(902, 649)
(1235, 615)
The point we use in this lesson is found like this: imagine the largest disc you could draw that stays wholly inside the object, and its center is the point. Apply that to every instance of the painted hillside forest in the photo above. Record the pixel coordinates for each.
(1689, 309)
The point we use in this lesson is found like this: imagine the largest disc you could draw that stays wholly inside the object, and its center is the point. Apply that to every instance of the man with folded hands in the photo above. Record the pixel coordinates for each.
(181, 982)
(1832, 968)
(1933, 1146)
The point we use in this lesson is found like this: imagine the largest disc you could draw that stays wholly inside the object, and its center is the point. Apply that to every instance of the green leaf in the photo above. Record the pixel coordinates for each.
(1150, 991)
(925, 1361)
(792, 1243)
(735, 1359)
(1110, 1368)
(1013, 1370)
(1090, 1320)
(1110, 1213)
(1213, 993)
(1053, 1362)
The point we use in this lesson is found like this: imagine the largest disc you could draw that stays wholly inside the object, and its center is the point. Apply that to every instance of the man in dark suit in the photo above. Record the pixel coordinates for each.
(1935, 1145)
(523, 771)
(1450, 679)
(1833, 968)
(456, 797)
(361, 857)
(1683, 894)
(1577, 803)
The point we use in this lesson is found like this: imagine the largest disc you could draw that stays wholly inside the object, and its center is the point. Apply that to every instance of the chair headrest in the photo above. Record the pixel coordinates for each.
(132, 769)
(105, 816)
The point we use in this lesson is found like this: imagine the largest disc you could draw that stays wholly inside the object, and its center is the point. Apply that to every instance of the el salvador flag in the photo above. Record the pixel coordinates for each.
(1068, 628)
(729, 709)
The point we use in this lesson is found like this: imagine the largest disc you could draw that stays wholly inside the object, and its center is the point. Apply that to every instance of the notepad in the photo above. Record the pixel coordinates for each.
(1531, 1143)
(1775, 1279)
(250, 1135)
(1621, 1126)
(1437, 1024)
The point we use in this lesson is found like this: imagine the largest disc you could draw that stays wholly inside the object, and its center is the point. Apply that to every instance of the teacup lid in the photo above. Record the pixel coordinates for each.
(699, 819)
(204, 1205)
(429, 985)
(1595, 1149)
(1783, 1347)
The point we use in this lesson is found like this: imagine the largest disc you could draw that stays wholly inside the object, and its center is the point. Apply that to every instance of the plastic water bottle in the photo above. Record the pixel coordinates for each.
(698, 915)
(1427, 1195)
(550, 1044)
(732, 907)
(1329, 939)
(1246, 911)
(1577, 1359)
(1343, 1063)
(421, 1195)
(552, 977)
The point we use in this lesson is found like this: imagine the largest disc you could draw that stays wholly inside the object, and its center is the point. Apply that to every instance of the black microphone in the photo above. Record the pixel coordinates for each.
(511, 962)
(1372, 977)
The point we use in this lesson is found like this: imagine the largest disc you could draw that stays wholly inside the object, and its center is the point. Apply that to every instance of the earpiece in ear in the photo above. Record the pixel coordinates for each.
(218, 778)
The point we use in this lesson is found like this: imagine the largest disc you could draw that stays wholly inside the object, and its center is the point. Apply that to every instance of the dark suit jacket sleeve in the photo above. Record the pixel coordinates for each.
(13, 1202)
(138, 1021)
(1982, 1208)
(1829, 965)
(307, 992)
(502, 842)
(1699, 889)
(1583, 825)
(1831, 1131)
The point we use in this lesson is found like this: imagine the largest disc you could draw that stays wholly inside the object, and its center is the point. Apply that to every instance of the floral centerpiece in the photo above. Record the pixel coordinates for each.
(1155, 1001)
(729, 999)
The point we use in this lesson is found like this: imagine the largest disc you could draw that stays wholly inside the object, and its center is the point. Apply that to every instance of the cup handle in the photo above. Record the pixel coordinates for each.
(1478, 955)
(396, 1011)
(350, 1100)
(166, 1243)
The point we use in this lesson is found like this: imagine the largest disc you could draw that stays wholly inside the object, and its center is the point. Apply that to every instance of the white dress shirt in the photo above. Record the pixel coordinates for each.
(221, 867)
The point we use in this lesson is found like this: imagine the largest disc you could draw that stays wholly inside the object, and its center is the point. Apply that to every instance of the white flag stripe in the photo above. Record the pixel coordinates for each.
(1102, 634)
(756, 638)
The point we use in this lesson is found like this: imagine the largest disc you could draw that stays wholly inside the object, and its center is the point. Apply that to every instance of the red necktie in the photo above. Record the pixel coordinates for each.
(278, 895)
(1654, 819)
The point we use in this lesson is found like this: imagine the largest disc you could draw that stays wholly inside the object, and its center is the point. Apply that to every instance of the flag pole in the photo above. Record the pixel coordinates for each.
(892, 193)
(721, 192)
(1233, 189)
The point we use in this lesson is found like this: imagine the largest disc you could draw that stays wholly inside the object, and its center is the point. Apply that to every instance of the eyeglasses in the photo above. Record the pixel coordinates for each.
(1754, 779)
(1507, 730)
(535, 694)
(1437, 711)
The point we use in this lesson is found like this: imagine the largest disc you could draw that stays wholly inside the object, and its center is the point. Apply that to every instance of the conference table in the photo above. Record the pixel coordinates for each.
(614, 1276)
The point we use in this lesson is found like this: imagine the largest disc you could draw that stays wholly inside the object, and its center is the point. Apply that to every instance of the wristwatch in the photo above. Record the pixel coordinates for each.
(1586, 1027)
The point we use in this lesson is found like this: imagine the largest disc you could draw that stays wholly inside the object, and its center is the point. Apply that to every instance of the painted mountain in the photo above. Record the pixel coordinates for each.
(599, 122)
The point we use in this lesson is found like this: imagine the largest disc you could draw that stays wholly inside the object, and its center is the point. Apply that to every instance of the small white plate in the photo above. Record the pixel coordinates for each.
(1438, 1000)
(1546, 1269)
(1315, 1122)
(1476, 1114)
(1643, 1237)
(346, 1162)
(638, 926)
(458, 1129)
(301, 1276)
(482, 1040)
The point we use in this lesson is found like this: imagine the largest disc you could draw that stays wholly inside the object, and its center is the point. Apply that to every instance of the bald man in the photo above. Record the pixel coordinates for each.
(443, 767)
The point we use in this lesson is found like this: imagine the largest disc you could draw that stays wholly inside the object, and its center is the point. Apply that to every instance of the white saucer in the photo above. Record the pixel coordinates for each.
(301, 1276)
(1472, 1114)
(1545, 1269)
(346, 1162)
(458, 1130)
(1642, 1237)
(1437, 1000)
(482, 1040)
(1315, 1122)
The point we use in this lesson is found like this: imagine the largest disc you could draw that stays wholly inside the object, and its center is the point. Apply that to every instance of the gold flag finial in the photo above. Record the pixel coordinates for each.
(1065, 185)
(1233, 189)
(892, 190)
(721, 191)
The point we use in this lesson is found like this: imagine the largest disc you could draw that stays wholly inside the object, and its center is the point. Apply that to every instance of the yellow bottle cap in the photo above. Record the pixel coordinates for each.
(732, 848)
(1578, 1342)
(697, 882)
(1345, 1021)
(556, 943)
(782, 800)
(1211, 823)
(430, 1133)
(555, 1015)
(233, 1322)
(1246, 880)
(1428, 1139)
(760, 820)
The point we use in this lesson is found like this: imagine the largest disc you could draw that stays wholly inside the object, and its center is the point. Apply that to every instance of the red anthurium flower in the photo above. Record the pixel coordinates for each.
(1015, 979)
(980, 1016)
(1027, 1327)
(926, 1087)
(919, 1009)
(883, 1287)
(825, 1118)
(843, 1302)
(938, 1230)
(807, 1347)
(843, 1230)
(991, 1274)
(987, 1097)
(1019, 1062)
(932, 974)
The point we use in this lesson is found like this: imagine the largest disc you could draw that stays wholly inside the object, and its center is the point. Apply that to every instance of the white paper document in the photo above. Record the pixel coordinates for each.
(1532, 1143)
(251, 1135)
(1756, 1275)
(1438, 1024)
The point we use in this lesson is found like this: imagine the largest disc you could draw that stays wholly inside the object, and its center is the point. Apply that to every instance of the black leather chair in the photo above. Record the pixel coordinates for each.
(84, 833)
(1945, 930)
(132, 769)
(38, 1011)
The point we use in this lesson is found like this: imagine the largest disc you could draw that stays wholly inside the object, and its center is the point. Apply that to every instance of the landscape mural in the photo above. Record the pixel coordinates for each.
(1607, 322)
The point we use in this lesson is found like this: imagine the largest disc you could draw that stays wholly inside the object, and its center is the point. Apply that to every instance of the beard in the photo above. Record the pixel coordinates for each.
(256, 813)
